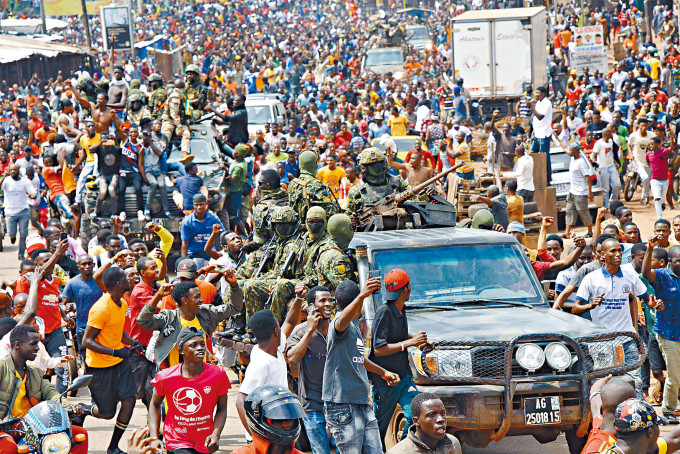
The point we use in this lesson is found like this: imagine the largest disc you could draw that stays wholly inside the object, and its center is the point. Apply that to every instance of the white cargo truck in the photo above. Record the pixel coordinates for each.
(496, 51)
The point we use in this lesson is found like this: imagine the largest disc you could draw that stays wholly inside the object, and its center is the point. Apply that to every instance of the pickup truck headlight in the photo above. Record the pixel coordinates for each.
(444, 363)
(605, 355)
(558, 356)
(530, 357)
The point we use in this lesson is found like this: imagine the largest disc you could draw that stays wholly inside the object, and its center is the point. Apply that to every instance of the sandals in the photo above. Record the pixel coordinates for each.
(657, 394)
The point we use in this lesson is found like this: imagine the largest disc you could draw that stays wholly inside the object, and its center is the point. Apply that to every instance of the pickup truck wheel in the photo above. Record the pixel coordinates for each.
(395, 429)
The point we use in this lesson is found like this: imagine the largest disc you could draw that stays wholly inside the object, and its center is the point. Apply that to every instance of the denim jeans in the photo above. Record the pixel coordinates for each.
(315, 426)
(659, 188)
(90, 168)
(527, 195)
(168, 166)
(19, 221)
(542, 145)
(354, 428)
(631, 356)
(609, 177)
(135, 179)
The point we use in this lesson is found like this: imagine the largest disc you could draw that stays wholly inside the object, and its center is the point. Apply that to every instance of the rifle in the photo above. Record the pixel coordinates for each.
(389, 205)
(287, 264)
(268, 251)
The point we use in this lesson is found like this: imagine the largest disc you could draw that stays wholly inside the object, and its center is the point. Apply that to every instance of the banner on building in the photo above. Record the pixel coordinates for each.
(73, 7)
(589, 50)
(116, 27)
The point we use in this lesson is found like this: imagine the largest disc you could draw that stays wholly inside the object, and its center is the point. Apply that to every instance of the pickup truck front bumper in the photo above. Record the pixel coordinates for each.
(487, 408)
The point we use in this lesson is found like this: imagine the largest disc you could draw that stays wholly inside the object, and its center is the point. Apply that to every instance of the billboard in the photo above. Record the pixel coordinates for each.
(73, 7)
(116, 27)
(589, 50)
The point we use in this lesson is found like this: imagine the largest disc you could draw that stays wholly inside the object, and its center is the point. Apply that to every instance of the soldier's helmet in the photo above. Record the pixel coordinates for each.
(282, 215)
(135, 96)
(192, 68)
(155, 77)
(371, 155)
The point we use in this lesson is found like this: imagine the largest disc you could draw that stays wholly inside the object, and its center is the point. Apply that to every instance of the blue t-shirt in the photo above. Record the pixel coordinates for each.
(197, 232)
(667, 288)
(84, 294)
(189, 186)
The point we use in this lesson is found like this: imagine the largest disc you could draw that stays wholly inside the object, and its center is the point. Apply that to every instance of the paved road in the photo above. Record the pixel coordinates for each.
(100, 430)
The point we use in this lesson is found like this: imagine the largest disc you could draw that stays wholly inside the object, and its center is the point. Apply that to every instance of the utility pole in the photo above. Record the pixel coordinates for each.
(42, 17)
(86, 22)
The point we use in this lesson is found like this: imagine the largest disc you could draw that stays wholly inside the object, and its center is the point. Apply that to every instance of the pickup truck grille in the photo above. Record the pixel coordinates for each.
(489, 361)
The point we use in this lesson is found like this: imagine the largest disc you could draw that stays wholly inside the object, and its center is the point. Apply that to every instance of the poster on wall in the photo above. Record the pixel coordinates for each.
(589, 50)
(117, 27)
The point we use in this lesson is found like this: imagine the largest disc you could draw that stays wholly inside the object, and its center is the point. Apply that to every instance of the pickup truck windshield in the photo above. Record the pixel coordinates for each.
(200, 149)
(387, 58)
(442, 276)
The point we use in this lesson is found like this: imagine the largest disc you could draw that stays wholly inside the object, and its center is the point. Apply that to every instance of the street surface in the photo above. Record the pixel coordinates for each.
(232, 437)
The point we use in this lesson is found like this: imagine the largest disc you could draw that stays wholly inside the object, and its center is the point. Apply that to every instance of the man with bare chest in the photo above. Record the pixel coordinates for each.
(118, 91)
(102, 114)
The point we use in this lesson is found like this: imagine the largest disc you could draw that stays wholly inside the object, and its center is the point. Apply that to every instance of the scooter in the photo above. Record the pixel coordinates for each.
(631, 182)
(47, 426)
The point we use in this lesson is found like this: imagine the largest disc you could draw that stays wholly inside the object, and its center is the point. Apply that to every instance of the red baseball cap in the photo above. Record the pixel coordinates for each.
(395, 280)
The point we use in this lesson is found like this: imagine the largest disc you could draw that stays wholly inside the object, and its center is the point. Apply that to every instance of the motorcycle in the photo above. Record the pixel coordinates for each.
(47, 426)
(630, 183)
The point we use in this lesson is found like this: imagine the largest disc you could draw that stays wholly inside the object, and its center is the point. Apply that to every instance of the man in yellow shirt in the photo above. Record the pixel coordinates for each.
(107, 357)
(90, 168)
(461, 154)
(331, 175)
(398, 123)
(515, 202)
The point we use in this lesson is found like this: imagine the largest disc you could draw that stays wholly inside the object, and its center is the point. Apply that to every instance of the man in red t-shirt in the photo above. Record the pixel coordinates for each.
(196, 395)
(48, 306)
(55, 183)
(142, 369)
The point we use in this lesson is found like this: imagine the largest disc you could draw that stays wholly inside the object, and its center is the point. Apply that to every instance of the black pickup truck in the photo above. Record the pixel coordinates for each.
(503, 362)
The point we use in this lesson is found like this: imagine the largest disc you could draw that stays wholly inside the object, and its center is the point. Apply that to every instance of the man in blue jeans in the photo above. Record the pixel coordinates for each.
(345, 382)
(17, 190)
(391, 341)
(541, 108)
(306, 347)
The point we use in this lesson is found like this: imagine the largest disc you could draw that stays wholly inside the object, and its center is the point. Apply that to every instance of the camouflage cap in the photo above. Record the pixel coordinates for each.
(155, 77)
(192, 68)
(135, 96)
(241, 150)
(371, 155)
(283, 214)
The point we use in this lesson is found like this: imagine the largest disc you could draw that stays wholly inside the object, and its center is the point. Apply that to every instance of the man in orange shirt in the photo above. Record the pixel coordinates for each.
(52, 173)
(630, 43)
(107, 357)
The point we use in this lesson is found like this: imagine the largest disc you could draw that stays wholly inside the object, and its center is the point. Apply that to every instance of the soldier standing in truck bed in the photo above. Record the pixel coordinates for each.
(376, 183)
(158, 94)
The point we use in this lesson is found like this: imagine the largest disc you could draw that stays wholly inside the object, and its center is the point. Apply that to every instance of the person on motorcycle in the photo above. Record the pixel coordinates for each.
(22, 386)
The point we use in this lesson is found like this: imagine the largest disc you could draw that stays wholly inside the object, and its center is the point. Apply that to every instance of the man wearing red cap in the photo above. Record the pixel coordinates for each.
(389, 345)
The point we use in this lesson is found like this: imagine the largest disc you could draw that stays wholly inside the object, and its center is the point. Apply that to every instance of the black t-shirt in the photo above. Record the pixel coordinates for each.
(310, 369)
(389, 327)
(109, 160)
(597, 128)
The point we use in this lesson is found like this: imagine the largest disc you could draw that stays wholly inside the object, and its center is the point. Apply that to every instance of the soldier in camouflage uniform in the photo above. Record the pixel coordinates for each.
(272, 196)
(158, 95)
(307, 190)
(197, 93)
(376, 184)
(136, 110)
(334, 264)
(256, 290)
(175, 119)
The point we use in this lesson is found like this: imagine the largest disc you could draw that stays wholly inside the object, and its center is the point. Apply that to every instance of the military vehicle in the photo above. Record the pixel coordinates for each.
(503, 362)
(206, 151)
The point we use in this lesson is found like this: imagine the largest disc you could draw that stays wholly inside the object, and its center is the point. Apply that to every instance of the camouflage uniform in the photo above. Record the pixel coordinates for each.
(261, 227)
(135, 117)
(307, 191)
(333, 266)
(196, 90)
(174, 119)
(157, 96)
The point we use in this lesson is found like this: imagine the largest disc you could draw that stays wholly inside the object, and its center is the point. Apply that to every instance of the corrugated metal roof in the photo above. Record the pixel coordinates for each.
(13, 48)
(508, 13)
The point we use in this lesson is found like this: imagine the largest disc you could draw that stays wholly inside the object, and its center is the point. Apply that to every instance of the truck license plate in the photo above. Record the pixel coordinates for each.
(540, 411)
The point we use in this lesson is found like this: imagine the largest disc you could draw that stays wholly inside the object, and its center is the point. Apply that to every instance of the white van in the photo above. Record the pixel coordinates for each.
(264, 108)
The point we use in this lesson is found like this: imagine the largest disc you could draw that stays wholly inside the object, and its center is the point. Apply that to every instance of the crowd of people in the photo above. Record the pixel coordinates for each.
(271, 267)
